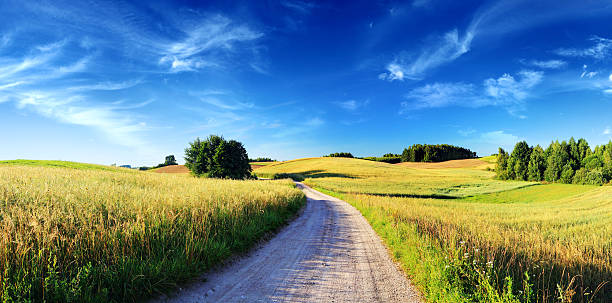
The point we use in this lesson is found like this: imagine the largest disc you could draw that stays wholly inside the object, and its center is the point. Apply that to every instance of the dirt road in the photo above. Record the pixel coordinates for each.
(328, 254)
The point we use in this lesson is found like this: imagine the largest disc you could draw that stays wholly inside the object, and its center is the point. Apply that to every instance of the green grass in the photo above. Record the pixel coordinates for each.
(57, 163)
(117, 235)
(463, 236)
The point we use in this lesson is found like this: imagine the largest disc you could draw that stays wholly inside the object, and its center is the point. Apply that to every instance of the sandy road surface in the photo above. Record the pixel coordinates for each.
(328, 254)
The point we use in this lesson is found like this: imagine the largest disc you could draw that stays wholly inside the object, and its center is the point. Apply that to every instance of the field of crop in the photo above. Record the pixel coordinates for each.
(99, 235)
(346, 175)
(463, 236)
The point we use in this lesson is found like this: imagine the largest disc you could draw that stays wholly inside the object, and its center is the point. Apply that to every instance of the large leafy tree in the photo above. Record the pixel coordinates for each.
(520, 160)
(217, 158)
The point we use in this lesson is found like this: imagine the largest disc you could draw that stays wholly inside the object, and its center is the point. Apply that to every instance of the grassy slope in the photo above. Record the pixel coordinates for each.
(554, 232)
(120, 235)
(57, 163)
(346, 175)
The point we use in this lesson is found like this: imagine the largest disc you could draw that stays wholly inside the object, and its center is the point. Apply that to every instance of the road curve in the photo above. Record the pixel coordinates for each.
(327, 254)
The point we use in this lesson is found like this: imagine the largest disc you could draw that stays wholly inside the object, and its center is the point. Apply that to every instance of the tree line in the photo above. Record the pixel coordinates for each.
(435, 153)
(566, 162)
(260, 159)
(340, 155)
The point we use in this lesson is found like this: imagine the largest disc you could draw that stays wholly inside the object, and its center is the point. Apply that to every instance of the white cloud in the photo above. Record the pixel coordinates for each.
(201, 44)
(466, 132)
(601, 49)
(352, 105)
(507, 87)
(549, 64)
(440, 95)
(443, 50)
(108, 86)
(505, 91)
(607, 131)
(9, 85)
(499, 137)
(494, 19)
(222, 99)
(610, 77)
(313, 122)
(119, 126)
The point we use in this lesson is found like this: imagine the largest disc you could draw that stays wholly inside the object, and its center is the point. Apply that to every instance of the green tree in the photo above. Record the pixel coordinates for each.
(537, 164)
(230, 161)
(567, 174)
(170, 160)
(520, 160)
(195, 159)
(501, 165)
(557, 158)
(217, 158)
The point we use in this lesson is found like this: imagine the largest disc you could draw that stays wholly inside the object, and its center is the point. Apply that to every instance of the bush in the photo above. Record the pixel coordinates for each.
(587, 177)
(217, 158)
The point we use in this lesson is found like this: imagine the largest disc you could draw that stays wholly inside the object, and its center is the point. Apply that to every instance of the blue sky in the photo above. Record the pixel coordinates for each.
(130, 82)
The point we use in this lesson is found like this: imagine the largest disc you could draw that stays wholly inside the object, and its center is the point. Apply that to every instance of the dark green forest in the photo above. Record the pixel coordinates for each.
(435, 153)
(566, 162)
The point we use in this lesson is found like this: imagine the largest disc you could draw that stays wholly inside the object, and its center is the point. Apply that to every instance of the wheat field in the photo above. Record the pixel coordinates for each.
(484, 232)
(98, 235)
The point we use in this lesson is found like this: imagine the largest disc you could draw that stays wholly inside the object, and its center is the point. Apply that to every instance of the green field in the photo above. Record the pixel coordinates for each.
(346, 175)
(73, 232)
(57, 163)
(463, 236)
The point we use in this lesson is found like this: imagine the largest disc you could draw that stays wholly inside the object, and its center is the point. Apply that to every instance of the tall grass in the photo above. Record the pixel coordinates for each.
(562, 244)
(69, 235)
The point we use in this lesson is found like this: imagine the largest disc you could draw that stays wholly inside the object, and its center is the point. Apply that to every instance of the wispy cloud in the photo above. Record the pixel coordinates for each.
(607, 131)
(499, 138)
(352, 105)
(445, 49)
(112, 120)
(201, 44)
(298, 6)
(493, 20)
(548, 64)
(222, 100)
(440, 95)
(313, 122)
(108, 86)
(601, 49)
(506, 91)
